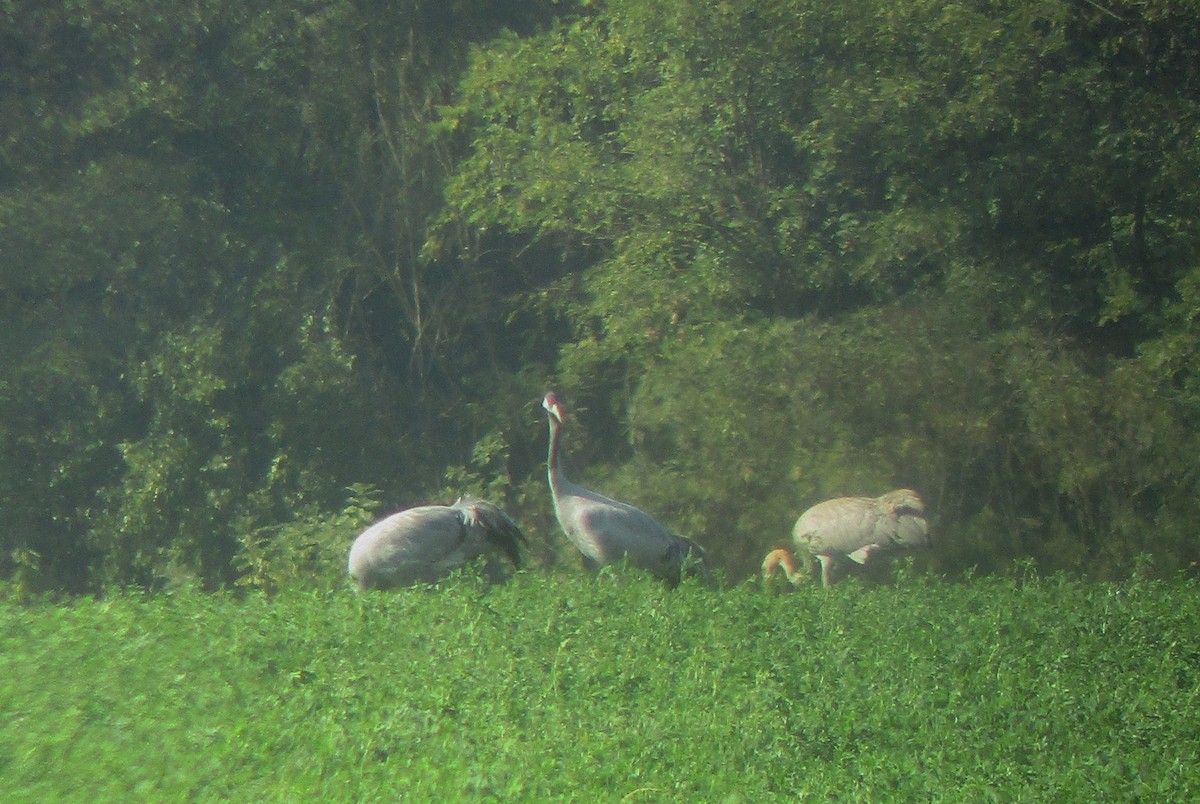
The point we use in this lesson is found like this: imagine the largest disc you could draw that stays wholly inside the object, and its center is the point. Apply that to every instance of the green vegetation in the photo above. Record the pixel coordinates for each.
(609, 689)
(269, 269)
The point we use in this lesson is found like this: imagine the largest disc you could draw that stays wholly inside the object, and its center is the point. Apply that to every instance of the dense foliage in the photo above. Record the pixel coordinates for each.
(269, 269)
(565, 687)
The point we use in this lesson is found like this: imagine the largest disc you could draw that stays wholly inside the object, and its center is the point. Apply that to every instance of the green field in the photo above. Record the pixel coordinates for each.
(570, 687)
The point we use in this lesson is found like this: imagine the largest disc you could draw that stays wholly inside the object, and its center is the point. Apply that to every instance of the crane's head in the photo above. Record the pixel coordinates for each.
(553, 407)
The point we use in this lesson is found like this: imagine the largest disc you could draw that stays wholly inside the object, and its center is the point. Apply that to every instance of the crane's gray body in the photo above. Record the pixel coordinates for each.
(861, 528)
(606, 531)
(427, 543)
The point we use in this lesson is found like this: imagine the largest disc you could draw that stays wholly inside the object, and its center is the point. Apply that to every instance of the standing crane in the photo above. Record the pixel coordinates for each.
(857, 528)
(426, 543)
(606, 531)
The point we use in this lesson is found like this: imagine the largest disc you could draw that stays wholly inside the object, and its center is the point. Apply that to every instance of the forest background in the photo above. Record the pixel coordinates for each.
(271, 269)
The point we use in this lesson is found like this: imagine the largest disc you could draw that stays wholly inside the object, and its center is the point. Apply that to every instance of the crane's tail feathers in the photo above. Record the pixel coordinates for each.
(903, 501)
(498, 527)
(912, 531)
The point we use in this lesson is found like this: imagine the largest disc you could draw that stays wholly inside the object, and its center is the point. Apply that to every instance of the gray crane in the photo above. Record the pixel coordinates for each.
(426, 543)
(606, 531)
(857, 528)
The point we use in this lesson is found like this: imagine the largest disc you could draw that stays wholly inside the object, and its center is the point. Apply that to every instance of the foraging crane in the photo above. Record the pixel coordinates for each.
(782, 559)
(606, 531)
(857, 528)
(426, 543)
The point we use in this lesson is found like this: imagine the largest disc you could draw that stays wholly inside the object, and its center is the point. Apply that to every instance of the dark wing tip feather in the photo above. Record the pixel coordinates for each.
(498, 527)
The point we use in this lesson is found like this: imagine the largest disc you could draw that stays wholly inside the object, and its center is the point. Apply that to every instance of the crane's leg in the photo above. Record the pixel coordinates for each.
(826, 570)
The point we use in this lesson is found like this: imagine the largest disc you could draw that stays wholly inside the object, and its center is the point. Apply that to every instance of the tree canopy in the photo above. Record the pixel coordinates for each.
(270, 269)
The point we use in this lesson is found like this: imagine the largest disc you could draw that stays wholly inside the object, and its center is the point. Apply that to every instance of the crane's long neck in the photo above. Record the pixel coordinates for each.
(781, 558)
(553, 468)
